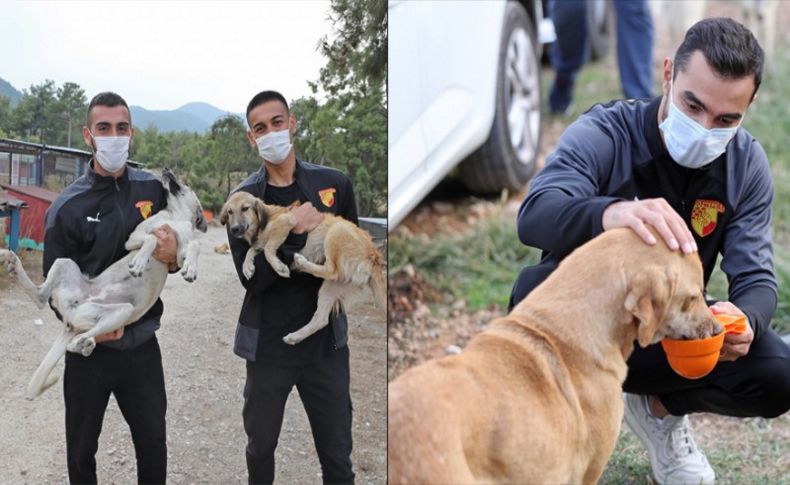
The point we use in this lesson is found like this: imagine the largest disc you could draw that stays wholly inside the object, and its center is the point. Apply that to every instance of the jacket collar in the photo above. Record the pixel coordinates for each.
(300, 178)
(101, 181)
(657, 149)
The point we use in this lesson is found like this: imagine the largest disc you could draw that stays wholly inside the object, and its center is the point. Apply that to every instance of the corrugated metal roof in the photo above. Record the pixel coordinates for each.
(33, 191)
(8, 201)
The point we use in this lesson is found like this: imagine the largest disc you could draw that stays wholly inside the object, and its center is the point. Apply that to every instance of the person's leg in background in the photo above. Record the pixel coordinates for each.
(569, 52)
(635, 37)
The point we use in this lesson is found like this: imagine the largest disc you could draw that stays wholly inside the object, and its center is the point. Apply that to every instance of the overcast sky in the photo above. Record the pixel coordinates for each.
(162, 55)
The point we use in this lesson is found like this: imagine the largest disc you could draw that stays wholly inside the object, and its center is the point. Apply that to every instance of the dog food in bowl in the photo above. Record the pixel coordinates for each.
(693, 359)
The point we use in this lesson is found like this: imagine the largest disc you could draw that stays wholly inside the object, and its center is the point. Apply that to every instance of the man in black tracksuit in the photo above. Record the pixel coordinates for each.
(89, 222)
(275, 306)
(681, 164)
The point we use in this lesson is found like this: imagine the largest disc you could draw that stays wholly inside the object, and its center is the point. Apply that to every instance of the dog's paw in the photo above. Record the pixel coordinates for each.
(82, 345)
(281, 269)
(248, 269)
(293, 338)
(189, 272)
(11, 262)
(299, 262)
(136, 265)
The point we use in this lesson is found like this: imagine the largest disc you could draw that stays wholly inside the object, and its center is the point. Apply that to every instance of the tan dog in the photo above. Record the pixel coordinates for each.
(337, 251)
(536, 397)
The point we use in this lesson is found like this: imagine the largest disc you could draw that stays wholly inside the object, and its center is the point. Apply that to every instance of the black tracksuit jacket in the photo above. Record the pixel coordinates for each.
(274, 306)
(90, 221)
(614, 152)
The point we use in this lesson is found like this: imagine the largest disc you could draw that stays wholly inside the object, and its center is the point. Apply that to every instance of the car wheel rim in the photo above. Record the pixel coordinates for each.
(522, 95)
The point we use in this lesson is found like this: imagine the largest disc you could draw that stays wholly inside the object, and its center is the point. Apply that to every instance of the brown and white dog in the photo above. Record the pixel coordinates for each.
(536, 397)
(337, 251)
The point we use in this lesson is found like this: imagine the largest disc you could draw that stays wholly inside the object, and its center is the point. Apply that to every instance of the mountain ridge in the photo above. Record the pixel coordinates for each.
(196, 116)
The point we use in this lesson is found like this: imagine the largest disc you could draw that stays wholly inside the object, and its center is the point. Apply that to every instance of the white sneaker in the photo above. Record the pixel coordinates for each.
(673, 452)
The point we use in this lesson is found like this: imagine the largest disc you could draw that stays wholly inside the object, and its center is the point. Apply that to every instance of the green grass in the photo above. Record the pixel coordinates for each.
(479, 266)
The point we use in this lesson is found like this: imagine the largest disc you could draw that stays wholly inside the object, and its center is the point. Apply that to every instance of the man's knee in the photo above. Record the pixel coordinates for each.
(528, 279)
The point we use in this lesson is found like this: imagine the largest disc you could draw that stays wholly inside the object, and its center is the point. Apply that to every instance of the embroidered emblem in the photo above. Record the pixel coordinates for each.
(327, 196)
(704, 216)
(145, 207)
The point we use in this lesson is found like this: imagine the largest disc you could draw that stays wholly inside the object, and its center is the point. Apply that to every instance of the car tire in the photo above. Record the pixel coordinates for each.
(507, 159)
(600, 25)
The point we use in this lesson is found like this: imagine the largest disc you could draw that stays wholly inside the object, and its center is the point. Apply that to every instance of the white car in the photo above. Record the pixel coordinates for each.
(464, 86)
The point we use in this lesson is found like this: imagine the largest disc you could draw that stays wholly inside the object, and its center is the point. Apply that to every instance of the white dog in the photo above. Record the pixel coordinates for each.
(95, 306)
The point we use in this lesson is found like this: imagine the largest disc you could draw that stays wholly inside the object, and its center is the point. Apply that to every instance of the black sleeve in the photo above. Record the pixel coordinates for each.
(563, 208)
(58, 243)
(264, 275)
(747, 252)
(758, 303)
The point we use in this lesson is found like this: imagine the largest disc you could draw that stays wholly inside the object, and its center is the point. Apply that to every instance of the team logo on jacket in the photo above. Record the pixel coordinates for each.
(704, 216)
(327, 196)
(145, 207)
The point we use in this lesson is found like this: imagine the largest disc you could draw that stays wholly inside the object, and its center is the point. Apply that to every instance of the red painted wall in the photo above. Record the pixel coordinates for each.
(38, 201)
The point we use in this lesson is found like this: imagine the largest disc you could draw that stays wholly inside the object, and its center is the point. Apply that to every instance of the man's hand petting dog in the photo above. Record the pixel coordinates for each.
(110, 336)
(307, 218)
(736, 345)
(166, 246)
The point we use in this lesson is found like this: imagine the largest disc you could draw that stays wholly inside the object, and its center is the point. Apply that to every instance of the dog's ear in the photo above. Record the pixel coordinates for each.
(170, 182)
(223, 216)
(650, 291)
(260, 211)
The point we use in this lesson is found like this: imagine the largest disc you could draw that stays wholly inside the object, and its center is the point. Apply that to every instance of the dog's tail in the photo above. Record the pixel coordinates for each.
(42, 379)
(378, 285)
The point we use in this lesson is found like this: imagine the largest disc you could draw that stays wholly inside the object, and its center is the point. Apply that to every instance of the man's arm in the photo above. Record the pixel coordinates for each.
(58, 243)
(563, 209)
(264, 275)
(747, 252)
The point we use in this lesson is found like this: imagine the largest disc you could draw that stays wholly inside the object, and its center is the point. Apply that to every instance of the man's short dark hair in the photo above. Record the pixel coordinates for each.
(110, 99)
(265, 97)
(729, 48)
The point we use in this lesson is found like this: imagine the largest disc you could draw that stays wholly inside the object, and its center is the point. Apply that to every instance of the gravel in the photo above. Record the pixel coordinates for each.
(204, 381)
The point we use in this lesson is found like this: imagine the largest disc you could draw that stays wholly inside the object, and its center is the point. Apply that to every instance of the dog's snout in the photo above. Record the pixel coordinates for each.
(237, 230)
(202, 225)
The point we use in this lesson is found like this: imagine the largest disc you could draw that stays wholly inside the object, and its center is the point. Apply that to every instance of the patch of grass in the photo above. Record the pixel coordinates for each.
(479, 265)
(741, 451)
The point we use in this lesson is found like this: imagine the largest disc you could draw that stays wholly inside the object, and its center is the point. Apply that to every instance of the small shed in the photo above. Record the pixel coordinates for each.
(31, 223)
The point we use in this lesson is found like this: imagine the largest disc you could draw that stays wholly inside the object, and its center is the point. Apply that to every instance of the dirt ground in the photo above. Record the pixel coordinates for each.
(204, 381)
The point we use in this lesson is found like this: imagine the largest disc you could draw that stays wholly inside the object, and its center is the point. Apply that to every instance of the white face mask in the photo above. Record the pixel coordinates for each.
(111, 151)
(274, 147)
(689, 143)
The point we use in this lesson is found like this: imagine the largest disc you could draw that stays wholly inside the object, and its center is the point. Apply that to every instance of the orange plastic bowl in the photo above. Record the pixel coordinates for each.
(694, 359)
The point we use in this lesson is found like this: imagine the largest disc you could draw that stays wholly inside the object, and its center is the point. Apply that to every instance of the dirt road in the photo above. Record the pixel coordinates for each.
(204, 382)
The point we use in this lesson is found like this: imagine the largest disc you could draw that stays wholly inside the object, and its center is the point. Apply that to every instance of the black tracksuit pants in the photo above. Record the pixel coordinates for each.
(324, 390)
(136, 379)
(757, 384)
